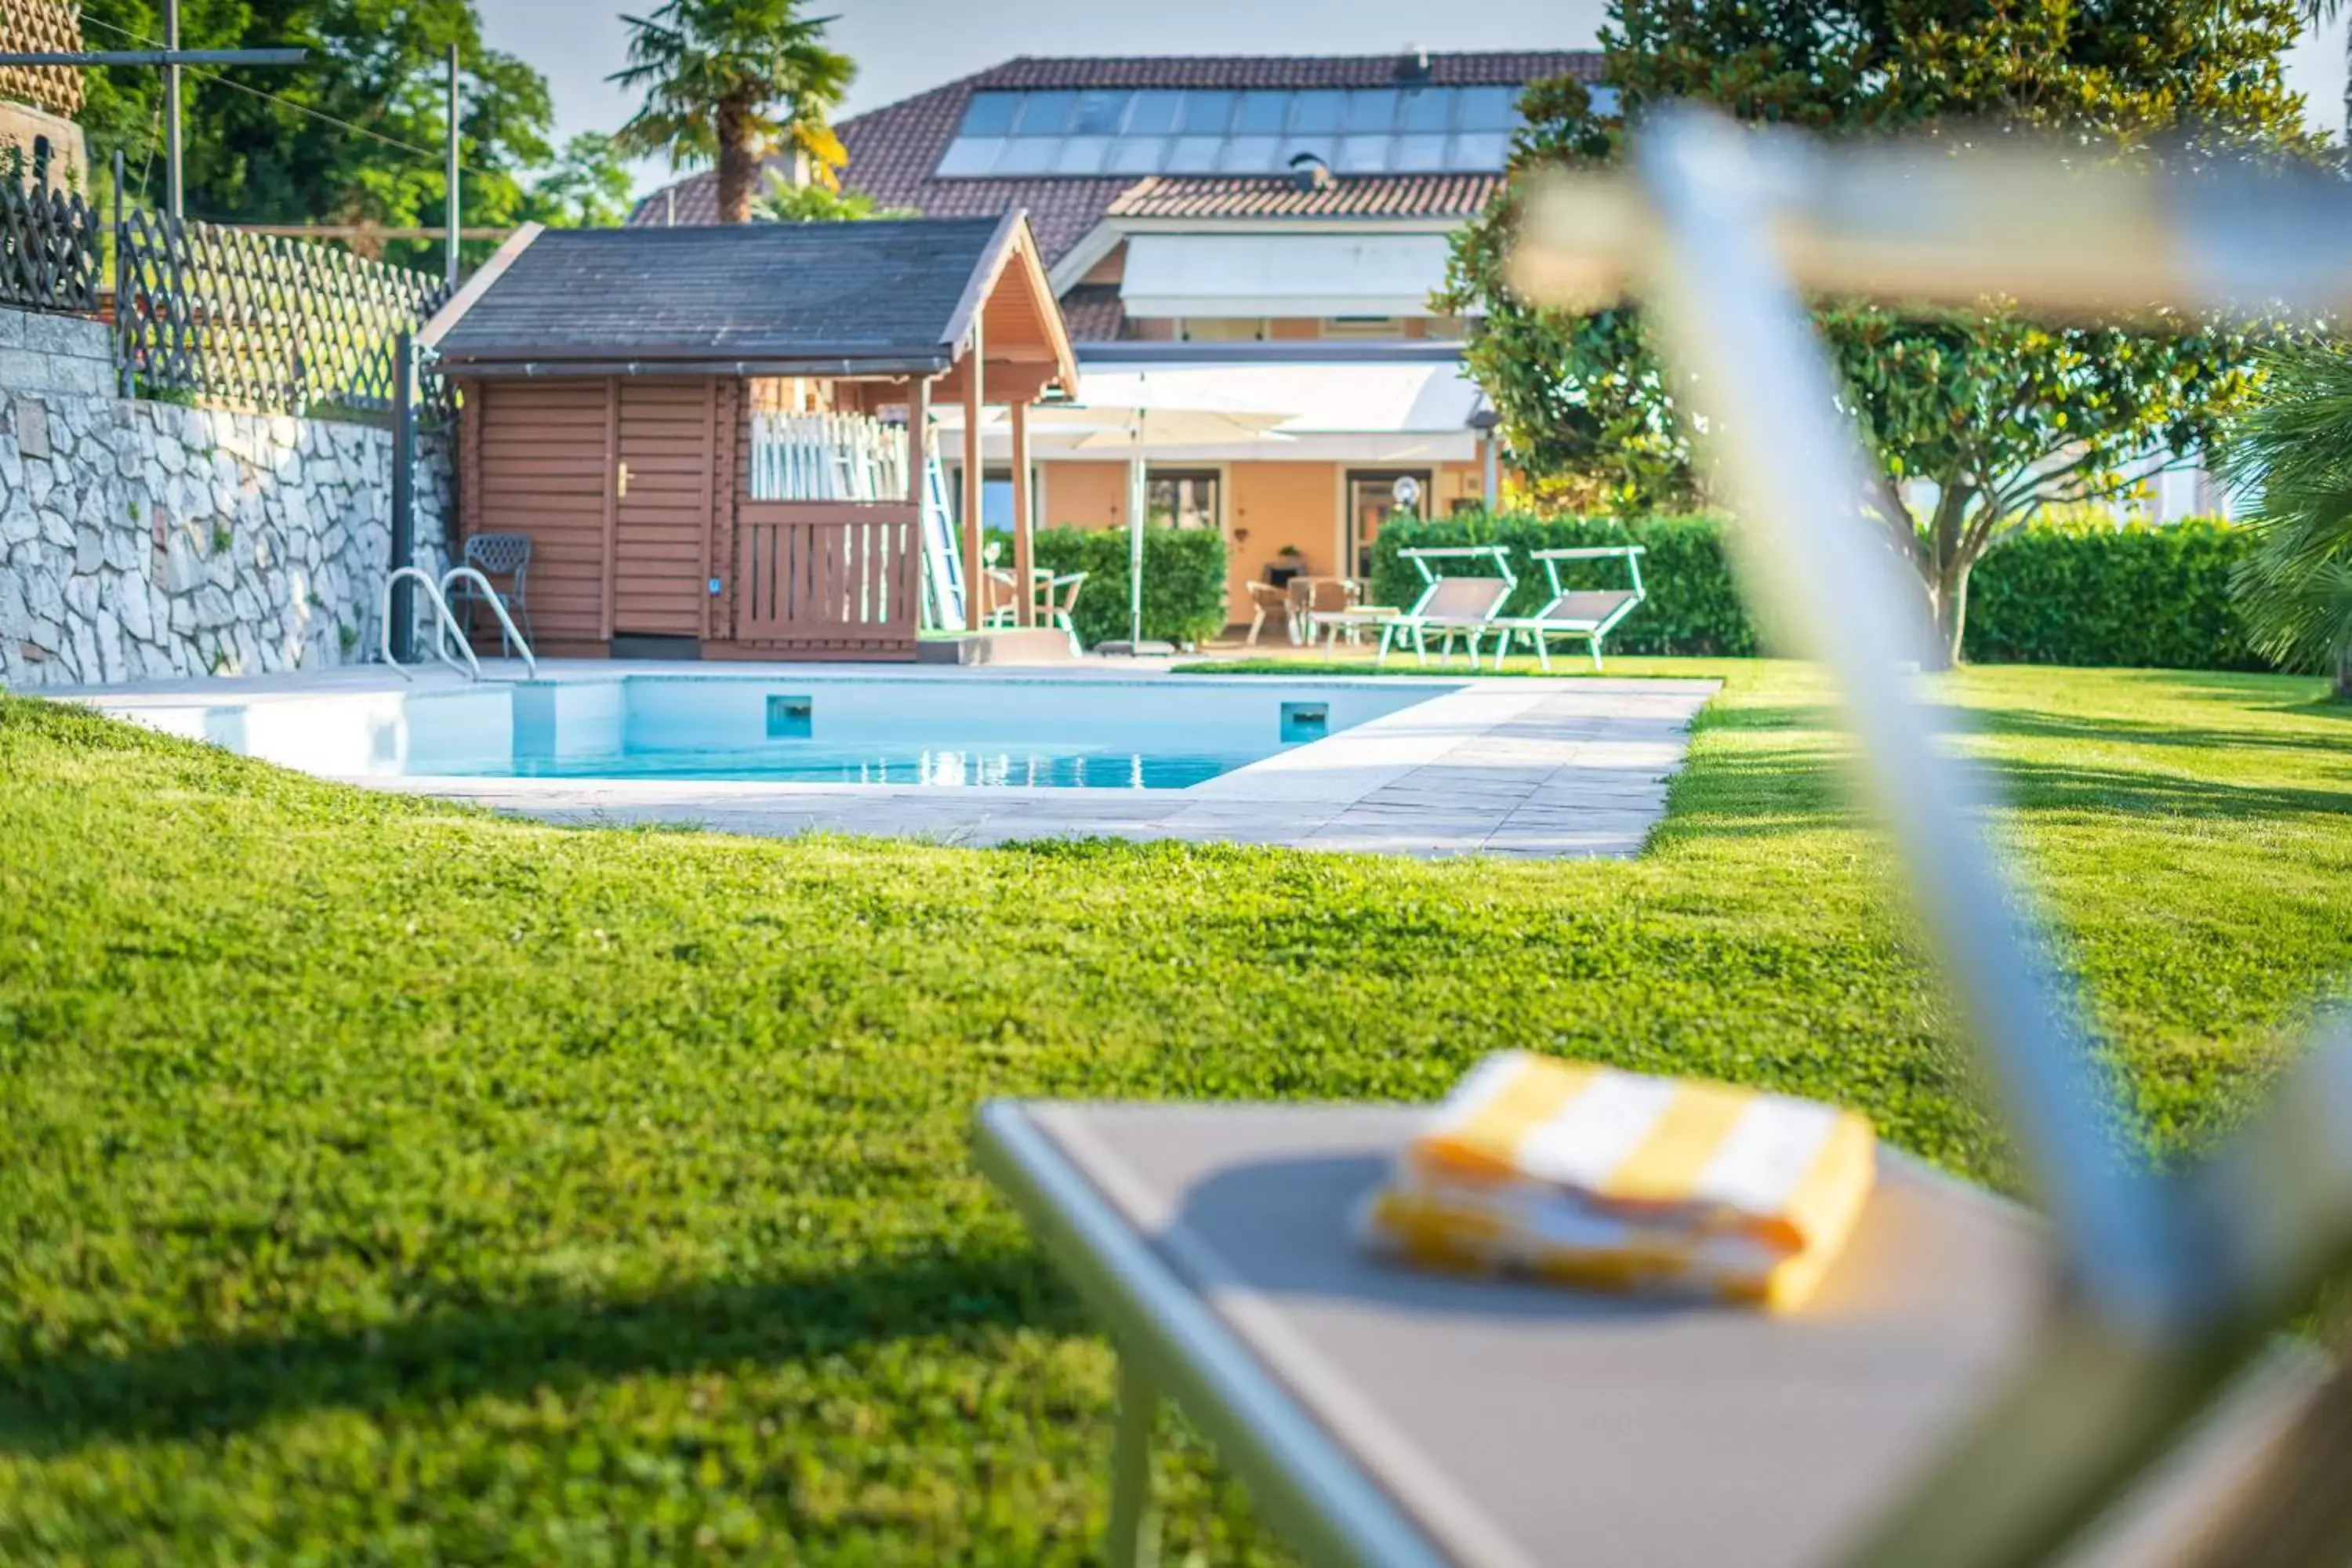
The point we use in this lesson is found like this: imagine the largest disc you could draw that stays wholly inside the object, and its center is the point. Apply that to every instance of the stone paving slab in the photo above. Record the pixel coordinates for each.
(1514, 768)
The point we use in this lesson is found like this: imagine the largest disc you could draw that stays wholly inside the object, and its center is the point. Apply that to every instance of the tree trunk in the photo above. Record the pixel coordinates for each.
(2343, 673)
(1949, 594)
(737, 164)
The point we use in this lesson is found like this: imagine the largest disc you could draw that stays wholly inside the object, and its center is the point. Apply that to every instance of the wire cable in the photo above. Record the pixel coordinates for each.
(318, 114)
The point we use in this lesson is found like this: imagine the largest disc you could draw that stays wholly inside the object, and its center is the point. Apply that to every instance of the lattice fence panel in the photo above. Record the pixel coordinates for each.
(51, 258)
(41, 27)
(262, 321)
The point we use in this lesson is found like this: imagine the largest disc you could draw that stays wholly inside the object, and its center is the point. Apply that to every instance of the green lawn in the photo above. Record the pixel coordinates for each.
(384, 1181)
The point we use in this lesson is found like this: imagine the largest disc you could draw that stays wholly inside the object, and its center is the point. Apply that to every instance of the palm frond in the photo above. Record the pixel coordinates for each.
(2292, 453)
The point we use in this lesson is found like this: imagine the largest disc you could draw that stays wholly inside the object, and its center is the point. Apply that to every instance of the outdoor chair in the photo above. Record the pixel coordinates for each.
(1464, 604)
(496, 555)
(1311, 596)
(1004, 597)
(1264, 598)
(1972, 1385)
(1591, 614)
(1058, 597)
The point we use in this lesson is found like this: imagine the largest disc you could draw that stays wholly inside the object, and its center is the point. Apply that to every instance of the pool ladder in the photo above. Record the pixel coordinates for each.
(446, 630)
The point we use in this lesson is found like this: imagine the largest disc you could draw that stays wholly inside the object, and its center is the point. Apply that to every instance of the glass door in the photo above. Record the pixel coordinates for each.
(1373, 499)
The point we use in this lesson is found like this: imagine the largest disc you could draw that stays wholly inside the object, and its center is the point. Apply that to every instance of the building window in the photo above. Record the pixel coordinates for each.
(995, 496)
(1363, 327)
(1181, 498)
(1219, 330)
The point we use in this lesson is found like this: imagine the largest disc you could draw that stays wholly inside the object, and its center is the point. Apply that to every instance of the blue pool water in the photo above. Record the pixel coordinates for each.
(966, 730)
(992, 763)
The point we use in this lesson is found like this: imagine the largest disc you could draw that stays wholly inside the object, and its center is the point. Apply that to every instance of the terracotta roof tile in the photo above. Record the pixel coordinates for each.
(1390, 195)
(894, 150)
(1094, 313)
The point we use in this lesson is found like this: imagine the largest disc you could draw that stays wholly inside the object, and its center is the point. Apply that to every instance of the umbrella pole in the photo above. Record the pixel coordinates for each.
(1137, 496)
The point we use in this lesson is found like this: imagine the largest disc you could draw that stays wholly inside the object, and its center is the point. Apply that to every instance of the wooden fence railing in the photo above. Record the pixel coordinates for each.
(50, 254)
(42, 26)
(828, 581)
(258, 322)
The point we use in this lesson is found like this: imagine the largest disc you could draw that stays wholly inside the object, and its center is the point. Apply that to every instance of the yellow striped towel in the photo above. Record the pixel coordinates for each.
(1609, 1180)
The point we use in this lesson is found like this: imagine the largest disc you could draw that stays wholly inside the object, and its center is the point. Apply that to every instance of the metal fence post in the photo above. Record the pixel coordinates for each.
(122, 324)
(403, 608)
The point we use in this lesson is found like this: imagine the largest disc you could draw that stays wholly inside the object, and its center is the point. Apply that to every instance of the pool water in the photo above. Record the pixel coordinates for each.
(989, 764)
(922, 731)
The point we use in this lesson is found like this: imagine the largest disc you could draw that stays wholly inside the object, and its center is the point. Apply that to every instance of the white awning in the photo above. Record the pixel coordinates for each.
(1298, 412)
(1282, 274)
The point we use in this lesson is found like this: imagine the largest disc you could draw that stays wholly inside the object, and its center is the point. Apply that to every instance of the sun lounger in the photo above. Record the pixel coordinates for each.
(1452, 602)
(1592, 613)
(1381, 1416)
(1970, 1387)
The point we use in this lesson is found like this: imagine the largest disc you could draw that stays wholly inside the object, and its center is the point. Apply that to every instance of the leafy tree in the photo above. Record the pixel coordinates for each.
(275, 145)
(2292, 454)
(587, 187)
(2000, 416)
(732, 81)
(785, 202)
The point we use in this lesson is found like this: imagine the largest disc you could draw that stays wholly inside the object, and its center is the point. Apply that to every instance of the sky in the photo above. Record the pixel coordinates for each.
(903, 46)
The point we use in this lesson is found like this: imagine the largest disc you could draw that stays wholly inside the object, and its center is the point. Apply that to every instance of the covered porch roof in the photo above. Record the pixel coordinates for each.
(1350, 410)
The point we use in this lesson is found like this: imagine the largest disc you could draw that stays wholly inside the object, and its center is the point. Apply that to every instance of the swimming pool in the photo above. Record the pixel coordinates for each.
(1169, 732)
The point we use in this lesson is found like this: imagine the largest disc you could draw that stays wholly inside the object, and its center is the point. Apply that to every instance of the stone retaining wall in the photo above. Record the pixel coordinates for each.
(142, 541)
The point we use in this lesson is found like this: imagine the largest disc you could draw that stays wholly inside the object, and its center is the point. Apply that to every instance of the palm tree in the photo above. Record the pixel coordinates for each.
(2292, 453)
(732, 81)
(2319, 13)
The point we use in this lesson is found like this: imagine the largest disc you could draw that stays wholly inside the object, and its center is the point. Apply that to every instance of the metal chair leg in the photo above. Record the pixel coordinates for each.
(1134, 1541)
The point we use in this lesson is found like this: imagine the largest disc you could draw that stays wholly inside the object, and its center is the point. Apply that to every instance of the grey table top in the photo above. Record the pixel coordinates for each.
(1520, 1424)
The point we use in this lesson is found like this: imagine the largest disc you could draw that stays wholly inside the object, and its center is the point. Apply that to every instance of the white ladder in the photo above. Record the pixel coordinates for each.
(943, 600)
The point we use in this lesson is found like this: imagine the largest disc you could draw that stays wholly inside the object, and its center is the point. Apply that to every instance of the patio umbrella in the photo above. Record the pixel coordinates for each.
(1137, 428)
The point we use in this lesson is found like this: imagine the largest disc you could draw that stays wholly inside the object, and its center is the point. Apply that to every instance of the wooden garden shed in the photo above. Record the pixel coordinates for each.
(703, 432)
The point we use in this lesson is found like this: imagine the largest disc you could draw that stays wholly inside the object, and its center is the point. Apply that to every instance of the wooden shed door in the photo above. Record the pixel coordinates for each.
(661, 536)
(539, 467)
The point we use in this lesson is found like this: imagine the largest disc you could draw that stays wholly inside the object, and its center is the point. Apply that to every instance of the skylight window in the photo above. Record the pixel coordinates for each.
(1213, 130)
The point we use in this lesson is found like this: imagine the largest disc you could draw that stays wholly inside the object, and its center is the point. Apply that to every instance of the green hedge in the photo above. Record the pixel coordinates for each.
(1183, 580)
(2150, 597)
(2076, 592)
(1692, 608)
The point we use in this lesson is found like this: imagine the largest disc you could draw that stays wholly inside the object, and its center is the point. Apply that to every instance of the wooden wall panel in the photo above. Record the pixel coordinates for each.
(662, 524)
(540, 470)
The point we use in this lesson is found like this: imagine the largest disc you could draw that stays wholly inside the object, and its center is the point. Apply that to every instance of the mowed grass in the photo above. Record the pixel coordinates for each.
(383, 1181)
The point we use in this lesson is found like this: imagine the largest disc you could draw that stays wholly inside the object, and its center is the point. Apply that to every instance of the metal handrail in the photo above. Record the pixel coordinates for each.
(497, 608)
(444, 627)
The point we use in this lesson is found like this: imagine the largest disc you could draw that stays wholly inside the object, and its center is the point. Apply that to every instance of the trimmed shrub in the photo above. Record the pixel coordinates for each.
(2146, 596)
(1183, 580)
(2075, 592)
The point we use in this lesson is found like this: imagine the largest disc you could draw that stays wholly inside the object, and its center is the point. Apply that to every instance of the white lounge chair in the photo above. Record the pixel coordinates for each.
(1464, 603)
(1588, 612)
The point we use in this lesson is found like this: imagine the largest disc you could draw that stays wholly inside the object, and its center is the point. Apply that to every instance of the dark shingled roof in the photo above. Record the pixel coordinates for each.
(882, 291)
(894, 150)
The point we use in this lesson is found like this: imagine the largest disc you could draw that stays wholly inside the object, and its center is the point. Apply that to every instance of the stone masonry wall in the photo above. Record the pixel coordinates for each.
(143, 541)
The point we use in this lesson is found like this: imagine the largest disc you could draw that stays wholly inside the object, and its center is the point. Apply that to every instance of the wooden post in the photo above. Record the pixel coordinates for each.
(975, 585)
(1024, 519)
(919, 441)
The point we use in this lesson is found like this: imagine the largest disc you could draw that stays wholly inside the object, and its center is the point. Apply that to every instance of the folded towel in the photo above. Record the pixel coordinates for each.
(1609, 1180)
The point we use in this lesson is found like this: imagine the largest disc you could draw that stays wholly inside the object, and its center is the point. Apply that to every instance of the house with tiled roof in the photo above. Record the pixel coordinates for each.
(1248, 235)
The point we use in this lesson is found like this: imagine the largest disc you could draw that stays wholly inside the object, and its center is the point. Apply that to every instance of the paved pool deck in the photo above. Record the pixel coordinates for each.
(1517, 767)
